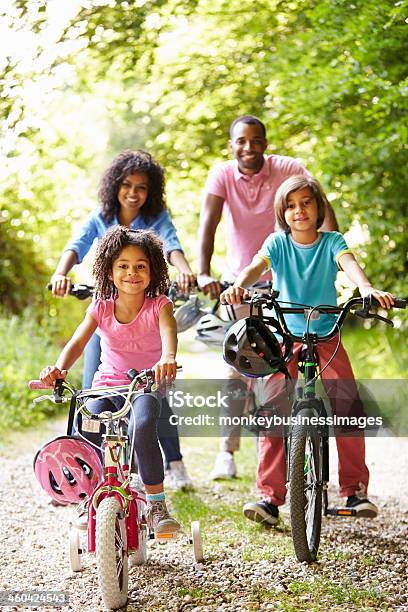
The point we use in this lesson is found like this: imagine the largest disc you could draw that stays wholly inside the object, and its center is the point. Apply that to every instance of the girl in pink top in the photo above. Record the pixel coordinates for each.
(137, 330)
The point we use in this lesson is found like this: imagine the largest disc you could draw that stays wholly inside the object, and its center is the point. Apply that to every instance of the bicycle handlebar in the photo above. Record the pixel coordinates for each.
(270, 301)
(142, 376)
(38, 384)
(78, 290)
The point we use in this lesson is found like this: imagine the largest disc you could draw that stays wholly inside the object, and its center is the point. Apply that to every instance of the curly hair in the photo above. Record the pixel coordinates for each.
(295, 183)
(126, 163)
(111, 246)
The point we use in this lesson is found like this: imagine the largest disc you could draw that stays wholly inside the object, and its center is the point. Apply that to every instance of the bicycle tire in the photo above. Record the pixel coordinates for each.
(305, 490)
(197, 541)
(139, 557)
(111, 553)
(75, 551)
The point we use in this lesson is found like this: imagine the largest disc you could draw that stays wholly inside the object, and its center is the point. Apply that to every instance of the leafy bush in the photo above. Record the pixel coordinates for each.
(27, 346)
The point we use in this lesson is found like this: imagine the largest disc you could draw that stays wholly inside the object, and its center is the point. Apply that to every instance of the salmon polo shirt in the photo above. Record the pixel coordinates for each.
(248, 205)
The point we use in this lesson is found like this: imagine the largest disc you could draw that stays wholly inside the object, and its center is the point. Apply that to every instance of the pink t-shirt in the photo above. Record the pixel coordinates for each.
(248, 205)
(127, 345)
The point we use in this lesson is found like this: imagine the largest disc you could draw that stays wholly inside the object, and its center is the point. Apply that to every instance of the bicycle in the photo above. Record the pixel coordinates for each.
(307, 445)
(117, 526)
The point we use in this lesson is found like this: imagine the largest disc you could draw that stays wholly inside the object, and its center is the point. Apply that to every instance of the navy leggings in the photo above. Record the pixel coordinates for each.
(168, 434)
(144, 421)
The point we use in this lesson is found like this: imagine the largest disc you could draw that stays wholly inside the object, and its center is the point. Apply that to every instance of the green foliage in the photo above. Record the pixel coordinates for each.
(27, 346)
(329, 78)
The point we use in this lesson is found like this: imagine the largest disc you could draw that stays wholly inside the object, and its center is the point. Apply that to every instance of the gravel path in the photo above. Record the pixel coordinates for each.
(369, 557)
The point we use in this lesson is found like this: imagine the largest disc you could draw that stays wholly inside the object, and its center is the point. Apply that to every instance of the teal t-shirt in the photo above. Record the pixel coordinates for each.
(305, 274)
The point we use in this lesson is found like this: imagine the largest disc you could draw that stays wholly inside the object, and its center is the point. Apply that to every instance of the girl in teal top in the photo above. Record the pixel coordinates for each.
(304, 265)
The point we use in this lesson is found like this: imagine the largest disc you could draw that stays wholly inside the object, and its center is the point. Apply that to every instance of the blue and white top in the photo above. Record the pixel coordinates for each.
(96, 226)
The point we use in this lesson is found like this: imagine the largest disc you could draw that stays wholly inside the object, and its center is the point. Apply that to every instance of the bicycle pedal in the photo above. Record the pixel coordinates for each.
(341, 511)
(163, 538)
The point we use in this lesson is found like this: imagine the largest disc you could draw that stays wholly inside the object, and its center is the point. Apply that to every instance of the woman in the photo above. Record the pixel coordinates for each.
(131, 193)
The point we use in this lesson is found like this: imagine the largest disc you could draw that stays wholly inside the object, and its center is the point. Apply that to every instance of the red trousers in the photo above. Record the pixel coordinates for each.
(353, 472)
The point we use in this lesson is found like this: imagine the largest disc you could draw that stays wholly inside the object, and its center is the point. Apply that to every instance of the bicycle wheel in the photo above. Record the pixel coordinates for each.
(111, 553)
(197, 541)
(139, 557)
(305, 491)
(75, 551)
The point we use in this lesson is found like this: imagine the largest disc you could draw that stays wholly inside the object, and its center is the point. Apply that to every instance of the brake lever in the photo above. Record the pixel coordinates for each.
(51, 398)
(372, 315)
(364, 313)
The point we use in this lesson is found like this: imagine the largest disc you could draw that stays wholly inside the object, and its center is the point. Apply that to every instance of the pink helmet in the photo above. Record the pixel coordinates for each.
(68, 469)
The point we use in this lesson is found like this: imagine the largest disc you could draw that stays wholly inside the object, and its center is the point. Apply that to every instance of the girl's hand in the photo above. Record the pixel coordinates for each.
(165, 370)
(61, 285)
(234, 295)
(385, 298)
(186, 281)
(51, 373)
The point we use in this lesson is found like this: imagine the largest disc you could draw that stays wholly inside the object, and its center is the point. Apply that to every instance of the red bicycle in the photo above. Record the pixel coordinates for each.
(69, 469)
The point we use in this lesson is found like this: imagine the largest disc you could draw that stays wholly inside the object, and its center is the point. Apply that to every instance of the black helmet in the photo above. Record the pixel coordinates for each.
(253, 349)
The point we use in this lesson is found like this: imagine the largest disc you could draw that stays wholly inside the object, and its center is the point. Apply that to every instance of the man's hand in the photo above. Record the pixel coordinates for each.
(209, 286)
(234, 295)
(61, 285)
(50, 374)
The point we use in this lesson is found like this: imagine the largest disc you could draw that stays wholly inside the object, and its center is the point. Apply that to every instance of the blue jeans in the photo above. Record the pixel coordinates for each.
(167, 433)
(143, 422)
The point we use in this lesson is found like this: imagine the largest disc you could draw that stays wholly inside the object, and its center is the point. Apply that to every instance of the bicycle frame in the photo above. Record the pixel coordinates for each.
(308, 400)
(115, 454)
(116, 463)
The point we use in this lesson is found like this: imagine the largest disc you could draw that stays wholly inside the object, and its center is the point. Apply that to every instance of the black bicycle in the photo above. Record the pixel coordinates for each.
(306, 442)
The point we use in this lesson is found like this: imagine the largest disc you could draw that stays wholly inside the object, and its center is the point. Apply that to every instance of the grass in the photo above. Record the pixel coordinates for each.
(342, 592)
(218, 506)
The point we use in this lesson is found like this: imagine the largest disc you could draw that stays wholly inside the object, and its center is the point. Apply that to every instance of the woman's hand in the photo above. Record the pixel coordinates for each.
(186, 281)
(61, 285)
(50, 374)
(234, 295)
(165, 370)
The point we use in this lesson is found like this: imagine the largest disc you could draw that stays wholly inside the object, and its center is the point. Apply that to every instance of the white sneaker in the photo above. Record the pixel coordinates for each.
(177, 477)
(224, 466)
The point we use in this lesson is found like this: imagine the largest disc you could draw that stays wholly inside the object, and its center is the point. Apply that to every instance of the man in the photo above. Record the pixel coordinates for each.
(243, 190)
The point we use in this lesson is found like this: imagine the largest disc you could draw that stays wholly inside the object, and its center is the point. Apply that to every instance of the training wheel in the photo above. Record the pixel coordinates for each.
(75, 550)
(140, 556)
(197, 541)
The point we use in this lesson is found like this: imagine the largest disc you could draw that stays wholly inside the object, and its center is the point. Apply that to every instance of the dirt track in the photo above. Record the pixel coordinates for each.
(34, 545)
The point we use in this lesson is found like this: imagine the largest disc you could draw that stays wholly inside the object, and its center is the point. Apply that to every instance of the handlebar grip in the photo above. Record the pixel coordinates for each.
(398, 302)
(38, 384)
